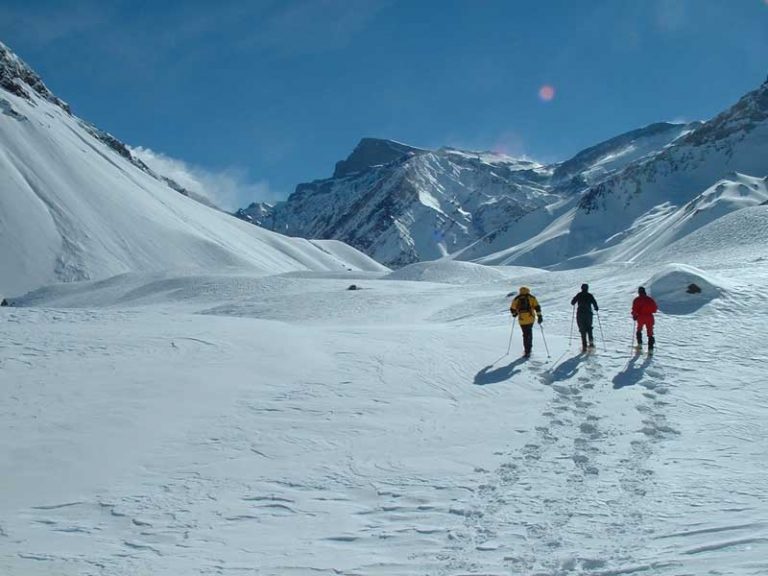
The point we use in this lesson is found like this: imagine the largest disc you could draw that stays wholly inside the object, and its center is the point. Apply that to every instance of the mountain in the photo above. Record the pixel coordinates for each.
(717, 167)
(618, 200)
(401, 204)
(75, 204)
(422, 205)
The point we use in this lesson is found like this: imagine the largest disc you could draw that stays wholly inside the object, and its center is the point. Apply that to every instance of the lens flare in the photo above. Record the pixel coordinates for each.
(547, 92)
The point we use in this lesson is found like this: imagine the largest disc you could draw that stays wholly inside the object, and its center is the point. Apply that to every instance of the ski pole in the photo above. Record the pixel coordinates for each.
(570, 335)
(511, 333)
(602, 335)
(545, 340)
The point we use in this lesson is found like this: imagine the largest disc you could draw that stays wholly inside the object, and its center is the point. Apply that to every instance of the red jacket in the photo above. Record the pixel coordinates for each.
(644, 307)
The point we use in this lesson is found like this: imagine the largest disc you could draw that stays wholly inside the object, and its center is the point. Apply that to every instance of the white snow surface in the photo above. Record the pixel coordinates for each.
(281, 424)
(448, 271)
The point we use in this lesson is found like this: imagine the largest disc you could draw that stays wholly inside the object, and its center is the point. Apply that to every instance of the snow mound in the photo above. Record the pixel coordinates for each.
(681, 289)
(447, 272)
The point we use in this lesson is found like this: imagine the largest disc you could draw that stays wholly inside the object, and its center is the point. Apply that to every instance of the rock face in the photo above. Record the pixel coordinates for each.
(401, 204)
(16, 77)
(372, 152)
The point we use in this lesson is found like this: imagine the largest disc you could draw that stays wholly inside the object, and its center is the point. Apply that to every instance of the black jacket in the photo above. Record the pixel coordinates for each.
(585, 301)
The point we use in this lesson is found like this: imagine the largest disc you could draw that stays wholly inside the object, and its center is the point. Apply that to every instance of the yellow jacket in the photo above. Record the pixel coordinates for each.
(525, 307)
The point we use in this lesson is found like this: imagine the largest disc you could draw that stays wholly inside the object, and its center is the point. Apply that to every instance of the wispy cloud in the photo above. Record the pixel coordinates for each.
(44, 24)
(228, 189)
(672, 15)
(508, 142)
(311, 26)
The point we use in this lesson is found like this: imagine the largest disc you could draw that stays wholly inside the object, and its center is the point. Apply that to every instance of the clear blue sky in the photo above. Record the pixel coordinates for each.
(275, 92)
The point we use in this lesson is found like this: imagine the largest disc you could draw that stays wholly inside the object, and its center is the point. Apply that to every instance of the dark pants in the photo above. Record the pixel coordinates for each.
(584, 322)
(527, 337)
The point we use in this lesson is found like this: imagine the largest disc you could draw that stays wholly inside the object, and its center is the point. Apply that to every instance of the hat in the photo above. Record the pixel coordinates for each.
(585, 287)
(524, 290)
(641, 291)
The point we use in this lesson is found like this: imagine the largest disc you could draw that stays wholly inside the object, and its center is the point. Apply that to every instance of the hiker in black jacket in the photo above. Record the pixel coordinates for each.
(584, 302)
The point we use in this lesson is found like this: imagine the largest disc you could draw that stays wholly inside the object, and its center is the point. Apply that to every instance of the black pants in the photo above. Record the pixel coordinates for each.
(584, 322)
(527, 337)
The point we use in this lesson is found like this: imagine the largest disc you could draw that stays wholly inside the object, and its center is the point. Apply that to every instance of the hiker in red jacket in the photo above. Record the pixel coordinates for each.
(643, 309)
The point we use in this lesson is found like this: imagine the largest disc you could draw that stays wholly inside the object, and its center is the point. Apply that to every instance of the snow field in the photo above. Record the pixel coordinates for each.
(286, 425)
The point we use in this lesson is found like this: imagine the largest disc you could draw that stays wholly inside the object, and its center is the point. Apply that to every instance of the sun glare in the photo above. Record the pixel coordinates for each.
(547, 92)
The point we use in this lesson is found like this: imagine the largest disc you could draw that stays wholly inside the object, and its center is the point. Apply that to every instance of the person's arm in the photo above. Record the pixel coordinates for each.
(594, 303)
(574, 299)
(537, 308)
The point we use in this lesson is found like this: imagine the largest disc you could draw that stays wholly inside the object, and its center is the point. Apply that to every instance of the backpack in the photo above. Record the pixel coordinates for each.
(523, 304)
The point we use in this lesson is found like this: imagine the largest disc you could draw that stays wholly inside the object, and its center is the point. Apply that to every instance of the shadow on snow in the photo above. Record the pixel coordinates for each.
(632, 373)
(565, 370)
(490, 376)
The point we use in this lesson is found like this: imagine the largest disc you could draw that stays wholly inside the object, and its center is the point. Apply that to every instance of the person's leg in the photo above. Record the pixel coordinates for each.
(582, 331)
(527, 338)
(651, 337)
(639, 333)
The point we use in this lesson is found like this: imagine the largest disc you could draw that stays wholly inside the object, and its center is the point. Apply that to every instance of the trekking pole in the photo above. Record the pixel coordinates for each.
(511, 333)
(602, 335)
(570, 335)
(545, 341)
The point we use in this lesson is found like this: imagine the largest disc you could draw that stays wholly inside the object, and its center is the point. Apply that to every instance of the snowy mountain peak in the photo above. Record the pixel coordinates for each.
(749, 112)
(371, 152)
(596, 160)
(16, 76)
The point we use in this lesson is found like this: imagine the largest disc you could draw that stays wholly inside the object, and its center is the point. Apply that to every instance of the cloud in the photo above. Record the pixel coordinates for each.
(672, 15)
(308, 26)
(46, 24)
(507, 142)
(228, 189)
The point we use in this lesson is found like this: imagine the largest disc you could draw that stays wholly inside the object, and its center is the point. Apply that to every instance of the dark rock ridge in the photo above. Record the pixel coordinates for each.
(16, 75)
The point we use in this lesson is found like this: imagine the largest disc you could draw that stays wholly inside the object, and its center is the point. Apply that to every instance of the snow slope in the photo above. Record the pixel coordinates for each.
(282, 424)
(74, 205)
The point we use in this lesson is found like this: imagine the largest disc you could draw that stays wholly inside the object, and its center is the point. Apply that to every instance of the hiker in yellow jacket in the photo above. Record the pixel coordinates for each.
(526, 309)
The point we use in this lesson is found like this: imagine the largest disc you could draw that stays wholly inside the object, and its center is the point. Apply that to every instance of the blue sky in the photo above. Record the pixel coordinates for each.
(257, 96)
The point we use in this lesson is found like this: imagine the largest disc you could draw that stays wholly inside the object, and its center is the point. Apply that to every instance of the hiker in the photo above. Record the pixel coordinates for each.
(526, 309)
(643, 309)
(584, 302)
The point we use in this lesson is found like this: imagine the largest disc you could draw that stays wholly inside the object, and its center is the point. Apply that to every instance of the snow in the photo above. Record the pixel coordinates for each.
(282, 424)
(451, 272)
